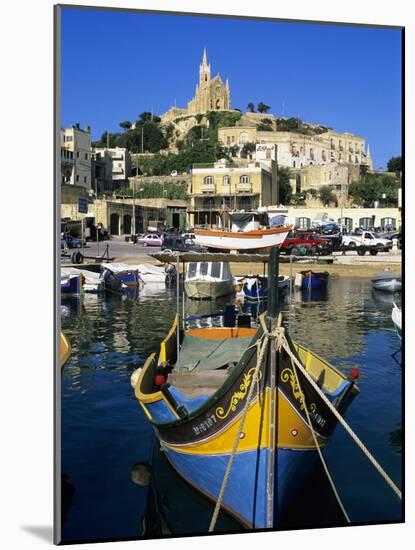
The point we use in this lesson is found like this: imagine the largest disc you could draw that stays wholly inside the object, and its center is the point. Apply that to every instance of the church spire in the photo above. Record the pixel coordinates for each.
(204, 70)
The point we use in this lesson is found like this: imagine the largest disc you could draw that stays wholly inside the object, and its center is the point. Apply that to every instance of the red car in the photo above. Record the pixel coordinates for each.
(306, 242)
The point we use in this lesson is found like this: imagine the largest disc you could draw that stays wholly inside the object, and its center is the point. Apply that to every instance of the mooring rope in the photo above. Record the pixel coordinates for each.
(261, 347)
(341, 420)
(316, 443)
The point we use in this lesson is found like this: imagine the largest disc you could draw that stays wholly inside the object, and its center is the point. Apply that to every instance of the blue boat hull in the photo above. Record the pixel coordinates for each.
(71, 285)
(129, 278)
(316, 281)
(248, 503)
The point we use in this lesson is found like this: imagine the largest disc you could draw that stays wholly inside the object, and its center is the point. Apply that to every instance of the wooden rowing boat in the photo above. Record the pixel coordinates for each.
(248, 240)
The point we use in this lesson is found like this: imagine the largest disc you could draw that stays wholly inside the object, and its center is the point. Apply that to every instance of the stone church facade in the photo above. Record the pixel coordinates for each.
(211, 95)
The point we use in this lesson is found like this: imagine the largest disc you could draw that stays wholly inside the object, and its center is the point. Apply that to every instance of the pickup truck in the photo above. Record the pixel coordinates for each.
(367, 238)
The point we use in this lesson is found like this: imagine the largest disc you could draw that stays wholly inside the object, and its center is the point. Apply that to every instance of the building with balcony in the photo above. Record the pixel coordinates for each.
(76, 152)
(245, 185)
(120, 163)
(297, 150)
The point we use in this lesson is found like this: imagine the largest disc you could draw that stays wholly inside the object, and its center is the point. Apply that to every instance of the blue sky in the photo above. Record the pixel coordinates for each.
(116, 65)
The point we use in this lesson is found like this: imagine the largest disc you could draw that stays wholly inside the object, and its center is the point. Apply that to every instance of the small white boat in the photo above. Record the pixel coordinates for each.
(388, 281)
(92, 282)
(147, 273)
(244, 240)
(397, 319)
(208, 280)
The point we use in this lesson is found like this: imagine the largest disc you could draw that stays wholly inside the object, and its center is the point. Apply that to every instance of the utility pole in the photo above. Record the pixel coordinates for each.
(96, 211)
(134, 180)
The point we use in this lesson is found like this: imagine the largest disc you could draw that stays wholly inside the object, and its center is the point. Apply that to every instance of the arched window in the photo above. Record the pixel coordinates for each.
(244, 179)
(388, 221)
(304, 223)
(348, 222)
(243, 137)
(226, 180)
(365, 223)
(208, 180)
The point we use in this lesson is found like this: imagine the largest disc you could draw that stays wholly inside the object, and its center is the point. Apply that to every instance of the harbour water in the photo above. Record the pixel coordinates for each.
(108, 444)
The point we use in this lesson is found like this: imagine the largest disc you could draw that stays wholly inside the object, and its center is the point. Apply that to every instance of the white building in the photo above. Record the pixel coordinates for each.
(78, 142)
(121, 161)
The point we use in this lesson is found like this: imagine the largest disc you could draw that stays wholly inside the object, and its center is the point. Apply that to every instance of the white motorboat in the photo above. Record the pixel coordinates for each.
(397, 319)
(147, 273)
(244, 240)
(208, 280)
(388, 281)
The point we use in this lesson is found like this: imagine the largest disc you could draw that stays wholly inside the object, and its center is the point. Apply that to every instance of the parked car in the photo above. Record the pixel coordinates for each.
(72, 242)
(311, 242)
(189, 238)
(150, 239)
(177, 243)
(330, 229)
(173, 173)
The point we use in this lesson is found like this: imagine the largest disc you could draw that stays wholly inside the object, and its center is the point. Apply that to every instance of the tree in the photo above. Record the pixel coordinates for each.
(372, 187)
(126, 125)
(395, 164)
(284, 185)
(263, 108)
(326, 195)
(251, 107)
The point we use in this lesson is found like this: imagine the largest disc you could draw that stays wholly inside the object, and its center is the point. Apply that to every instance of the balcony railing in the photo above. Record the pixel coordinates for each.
(208, 188)
(247, 187)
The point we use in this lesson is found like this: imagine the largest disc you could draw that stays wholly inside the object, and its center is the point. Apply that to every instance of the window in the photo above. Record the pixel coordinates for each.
(387, 221)
(243, 137)
(304, 223)
(77, 154)
(245, 203)
(77, 178)
(228, 140)
(209, 203)
(203, 268)
(191, 270)
(86, 156)
(368, 236)
(244, 179)
(226, 180)
(84, 179)
(268, 154)
(208, 180)
(215, 272)
(226, 274)
(312, 153)
(226, 202)
(365, 223)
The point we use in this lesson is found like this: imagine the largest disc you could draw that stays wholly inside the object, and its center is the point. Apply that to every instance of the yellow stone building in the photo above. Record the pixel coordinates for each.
(246, 186)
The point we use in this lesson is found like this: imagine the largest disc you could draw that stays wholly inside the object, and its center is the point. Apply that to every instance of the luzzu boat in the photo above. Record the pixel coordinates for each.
(241, 240)
(236, 416)
(65, 349)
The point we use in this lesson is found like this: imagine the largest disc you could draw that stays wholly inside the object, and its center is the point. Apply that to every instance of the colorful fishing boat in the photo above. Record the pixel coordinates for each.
(71, 284)
(239, 412)
(256, 288)
(312, 280)
(397, 319)
(242, 240)
(208, 280)
(65, 349)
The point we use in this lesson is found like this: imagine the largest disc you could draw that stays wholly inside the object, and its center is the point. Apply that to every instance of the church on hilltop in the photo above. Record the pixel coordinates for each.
(211, 95)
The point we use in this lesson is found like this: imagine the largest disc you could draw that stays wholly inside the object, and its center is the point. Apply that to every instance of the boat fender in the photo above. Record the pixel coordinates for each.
(354, 374)
(135, 376)
(298, 280)
(141, 474)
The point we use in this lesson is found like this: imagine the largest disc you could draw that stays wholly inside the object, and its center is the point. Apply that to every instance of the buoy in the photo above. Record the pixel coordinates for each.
(135, 376)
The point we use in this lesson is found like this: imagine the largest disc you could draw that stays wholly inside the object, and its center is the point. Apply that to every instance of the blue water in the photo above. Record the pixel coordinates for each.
(105, 432)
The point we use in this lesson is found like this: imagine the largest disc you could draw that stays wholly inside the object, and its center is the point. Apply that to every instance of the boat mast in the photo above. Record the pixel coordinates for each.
(273, 274)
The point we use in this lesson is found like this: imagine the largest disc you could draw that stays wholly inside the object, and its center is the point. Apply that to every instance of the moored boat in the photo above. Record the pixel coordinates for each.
(239, 412)
(71, 284)
(65, 349)
(243, 240)
(397, 319)
(314, 280)
(256, 288)
(208, 280)
(388, 281)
